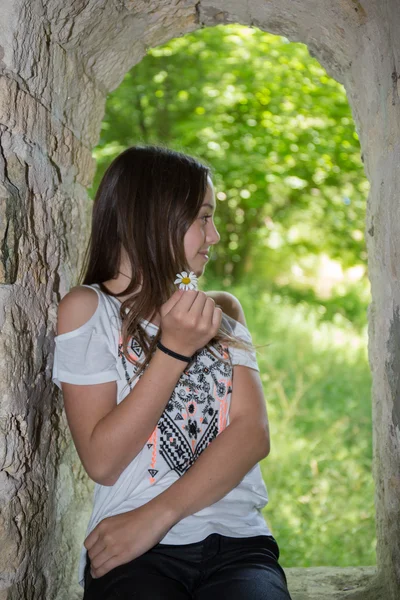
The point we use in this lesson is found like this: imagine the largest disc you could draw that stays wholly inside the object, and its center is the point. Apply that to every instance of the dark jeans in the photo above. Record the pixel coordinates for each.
(215, 568)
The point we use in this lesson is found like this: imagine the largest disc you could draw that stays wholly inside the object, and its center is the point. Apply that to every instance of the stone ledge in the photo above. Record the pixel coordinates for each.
(319, 583)
(333, 583)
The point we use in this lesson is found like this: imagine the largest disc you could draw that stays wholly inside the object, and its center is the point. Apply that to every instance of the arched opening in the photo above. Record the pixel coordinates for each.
(291, 195)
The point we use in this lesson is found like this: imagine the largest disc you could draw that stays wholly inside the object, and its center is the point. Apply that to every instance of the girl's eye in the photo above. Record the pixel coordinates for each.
(206, 217)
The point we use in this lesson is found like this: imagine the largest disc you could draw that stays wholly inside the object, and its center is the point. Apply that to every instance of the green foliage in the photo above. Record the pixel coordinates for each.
(317, 387)
(277, 131)
(348, 305)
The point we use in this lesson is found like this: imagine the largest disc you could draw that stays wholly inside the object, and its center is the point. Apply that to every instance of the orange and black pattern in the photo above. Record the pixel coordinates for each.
(196, 413)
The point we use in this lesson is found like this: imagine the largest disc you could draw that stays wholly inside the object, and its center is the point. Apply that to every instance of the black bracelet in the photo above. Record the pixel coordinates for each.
(174, 354)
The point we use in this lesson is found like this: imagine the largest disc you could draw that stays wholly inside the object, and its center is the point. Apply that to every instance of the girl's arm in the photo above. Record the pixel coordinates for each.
(227, 459)
(121, 434)
(238, 448)
(107, 435)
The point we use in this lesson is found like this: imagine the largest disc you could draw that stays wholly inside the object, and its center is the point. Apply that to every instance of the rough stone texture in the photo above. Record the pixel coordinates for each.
(57, 63)
(317, 583)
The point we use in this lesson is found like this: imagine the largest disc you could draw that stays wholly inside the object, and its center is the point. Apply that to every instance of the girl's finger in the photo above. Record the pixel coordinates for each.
(111, 563)
(91, 538)
(99, 556)
(170, 303)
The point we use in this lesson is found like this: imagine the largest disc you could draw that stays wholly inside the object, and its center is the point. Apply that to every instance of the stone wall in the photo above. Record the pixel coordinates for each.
(57, 63)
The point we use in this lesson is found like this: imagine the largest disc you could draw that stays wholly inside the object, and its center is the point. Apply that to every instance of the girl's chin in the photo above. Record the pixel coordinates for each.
(197, 271)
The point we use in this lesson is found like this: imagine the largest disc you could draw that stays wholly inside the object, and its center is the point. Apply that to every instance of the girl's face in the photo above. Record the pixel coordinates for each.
(202, 234)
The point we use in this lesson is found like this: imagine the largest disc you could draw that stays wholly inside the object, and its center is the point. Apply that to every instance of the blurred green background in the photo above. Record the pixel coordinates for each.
(291, 197)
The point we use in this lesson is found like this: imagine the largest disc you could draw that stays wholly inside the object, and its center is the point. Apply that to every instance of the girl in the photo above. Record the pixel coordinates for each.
(163, 397)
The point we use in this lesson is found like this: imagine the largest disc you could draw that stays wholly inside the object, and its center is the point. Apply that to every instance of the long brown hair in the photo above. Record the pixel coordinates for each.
(146, 201)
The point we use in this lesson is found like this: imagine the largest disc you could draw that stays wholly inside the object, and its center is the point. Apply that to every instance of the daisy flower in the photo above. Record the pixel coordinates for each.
(186, 282)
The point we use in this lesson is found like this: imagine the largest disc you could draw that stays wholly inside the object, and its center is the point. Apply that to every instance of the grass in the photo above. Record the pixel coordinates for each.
(317, 386)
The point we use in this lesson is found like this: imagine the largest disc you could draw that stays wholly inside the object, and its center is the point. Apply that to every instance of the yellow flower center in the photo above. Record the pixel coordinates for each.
(185, 280)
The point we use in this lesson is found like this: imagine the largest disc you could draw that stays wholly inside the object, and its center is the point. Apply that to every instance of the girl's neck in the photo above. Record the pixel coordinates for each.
(118, 285)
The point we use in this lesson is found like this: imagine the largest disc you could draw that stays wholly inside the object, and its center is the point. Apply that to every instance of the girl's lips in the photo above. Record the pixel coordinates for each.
(204, 255)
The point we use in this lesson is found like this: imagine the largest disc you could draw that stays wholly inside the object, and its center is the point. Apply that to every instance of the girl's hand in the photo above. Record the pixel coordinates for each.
(189, 320)
(119, 539)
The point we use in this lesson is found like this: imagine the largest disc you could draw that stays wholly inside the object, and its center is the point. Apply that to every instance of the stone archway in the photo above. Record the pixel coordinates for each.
(57, 65)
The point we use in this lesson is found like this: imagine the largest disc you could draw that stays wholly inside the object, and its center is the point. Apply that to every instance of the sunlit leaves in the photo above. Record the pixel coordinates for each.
(260, 110)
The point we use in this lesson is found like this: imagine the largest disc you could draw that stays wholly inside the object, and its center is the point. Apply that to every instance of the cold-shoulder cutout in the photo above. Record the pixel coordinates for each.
(87, 354)
(74, 300)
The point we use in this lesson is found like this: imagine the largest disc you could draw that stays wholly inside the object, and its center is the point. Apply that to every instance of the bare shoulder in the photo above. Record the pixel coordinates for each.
(75, 308)
(230, 305)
